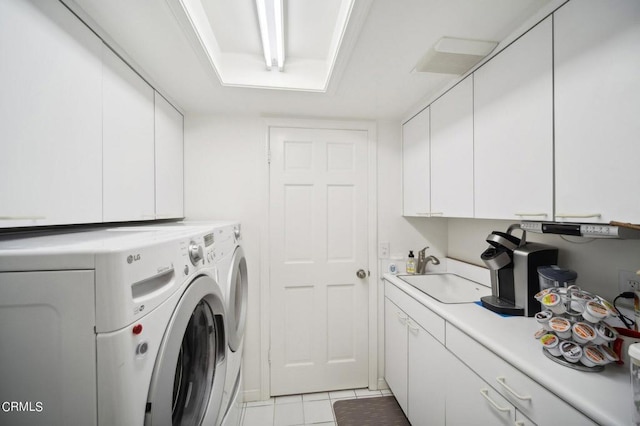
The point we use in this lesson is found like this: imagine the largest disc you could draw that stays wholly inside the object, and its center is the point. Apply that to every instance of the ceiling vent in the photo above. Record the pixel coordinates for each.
(454, 55)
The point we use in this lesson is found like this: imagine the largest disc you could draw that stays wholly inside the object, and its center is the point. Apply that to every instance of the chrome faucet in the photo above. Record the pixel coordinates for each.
(422, 261)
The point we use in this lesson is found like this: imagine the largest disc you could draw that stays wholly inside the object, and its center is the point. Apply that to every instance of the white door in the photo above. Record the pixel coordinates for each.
(318, 241)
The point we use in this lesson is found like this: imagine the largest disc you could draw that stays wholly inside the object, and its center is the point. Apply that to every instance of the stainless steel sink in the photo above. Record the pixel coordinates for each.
(447, 287)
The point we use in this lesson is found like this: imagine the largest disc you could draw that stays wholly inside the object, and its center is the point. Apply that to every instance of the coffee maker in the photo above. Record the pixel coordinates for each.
(514, 272)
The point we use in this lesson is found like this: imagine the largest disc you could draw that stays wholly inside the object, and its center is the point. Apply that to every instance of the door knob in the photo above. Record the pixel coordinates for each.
(361, 273)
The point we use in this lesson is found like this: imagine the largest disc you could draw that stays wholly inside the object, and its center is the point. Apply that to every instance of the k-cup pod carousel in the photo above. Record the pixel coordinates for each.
(573, 331)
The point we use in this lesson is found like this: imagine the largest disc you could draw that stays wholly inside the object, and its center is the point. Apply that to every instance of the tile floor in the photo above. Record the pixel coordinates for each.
(296, 410)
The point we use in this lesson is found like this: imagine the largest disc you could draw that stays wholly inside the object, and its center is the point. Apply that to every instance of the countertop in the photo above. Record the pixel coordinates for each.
(605, 397)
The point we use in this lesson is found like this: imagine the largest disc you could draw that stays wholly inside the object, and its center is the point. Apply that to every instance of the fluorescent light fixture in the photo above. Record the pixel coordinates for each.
(271, 20)
(454, 55)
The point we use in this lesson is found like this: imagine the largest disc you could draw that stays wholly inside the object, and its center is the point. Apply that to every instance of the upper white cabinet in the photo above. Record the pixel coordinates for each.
(415, 165)
(50, 117)
(169, 160)
(128, 138)
(597, 110)
(452, 152)
(514, 130)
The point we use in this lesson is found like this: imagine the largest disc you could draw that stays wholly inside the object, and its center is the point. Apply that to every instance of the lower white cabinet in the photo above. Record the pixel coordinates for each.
(440, 375)
(529, 397)
(414, 354)
(396, 349)
(471, 401)
(425, 377)
(413, 367)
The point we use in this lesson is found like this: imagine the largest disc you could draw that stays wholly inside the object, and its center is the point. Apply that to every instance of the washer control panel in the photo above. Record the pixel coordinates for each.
(196, 253)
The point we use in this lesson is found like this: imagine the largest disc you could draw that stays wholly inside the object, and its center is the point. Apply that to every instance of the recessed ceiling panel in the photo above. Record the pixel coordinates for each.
(235, 25)
(227, 34)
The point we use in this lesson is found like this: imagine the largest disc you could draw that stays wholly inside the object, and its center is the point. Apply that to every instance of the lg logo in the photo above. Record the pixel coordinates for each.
(133, 258)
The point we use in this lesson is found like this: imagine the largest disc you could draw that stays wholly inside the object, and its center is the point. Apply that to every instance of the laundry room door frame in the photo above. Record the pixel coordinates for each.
(372, 215)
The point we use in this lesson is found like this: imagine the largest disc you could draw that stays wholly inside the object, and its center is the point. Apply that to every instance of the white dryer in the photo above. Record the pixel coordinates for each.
(232, 270)
(109, 327)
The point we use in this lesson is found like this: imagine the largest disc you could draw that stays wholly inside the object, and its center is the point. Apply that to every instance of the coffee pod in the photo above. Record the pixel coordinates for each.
(538, 334)
(554, 302)
(609, 354)
(579, 299)
(571, 351)
(550, 342)
(539, 295)
(543, 319)
(595, 312)
(561, 326)
(605, 334)
(592, 356)
(583, 333)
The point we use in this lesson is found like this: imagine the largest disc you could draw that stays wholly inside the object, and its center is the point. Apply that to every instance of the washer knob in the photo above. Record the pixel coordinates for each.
(195, 253)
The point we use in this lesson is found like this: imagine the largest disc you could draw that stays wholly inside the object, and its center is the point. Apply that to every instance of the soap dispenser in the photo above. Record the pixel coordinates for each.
(411, 263)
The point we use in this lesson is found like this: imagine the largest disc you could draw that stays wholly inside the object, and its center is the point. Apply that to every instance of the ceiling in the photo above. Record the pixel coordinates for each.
(372, 76)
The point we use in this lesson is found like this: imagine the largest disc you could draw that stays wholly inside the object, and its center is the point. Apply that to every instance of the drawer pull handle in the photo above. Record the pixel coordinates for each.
(577, 215)
(531, 214)
(22, 217)
(402, 318)
(519, 423)
(413, 327)
(502, 381)
(485, 394)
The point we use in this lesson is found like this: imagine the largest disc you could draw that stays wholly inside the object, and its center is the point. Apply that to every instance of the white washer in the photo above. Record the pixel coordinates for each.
(110, 326)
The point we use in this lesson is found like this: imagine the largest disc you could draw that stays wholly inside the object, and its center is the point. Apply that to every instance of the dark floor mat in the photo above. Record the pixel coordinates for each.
(379, 411)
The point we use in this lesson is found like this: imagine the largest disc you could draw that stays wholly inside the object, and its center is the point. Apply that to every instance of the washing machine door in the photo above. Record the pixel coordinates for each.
(189, 373)
(237, 303)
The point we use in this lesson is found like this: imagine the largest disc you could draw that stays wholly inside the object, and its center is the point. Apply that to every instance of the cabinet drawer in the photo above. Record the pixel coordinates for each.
(529, 397)
(422, 315)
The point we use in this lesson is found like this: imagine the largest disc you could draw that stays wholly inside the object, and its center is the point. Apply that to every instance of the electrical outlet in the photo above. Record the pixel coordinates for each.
(383, 251)
(628, 281)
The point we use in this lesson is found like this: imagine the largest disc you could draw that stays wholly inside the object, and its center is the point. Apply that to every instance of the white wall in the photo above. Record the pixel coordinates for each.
(225, 159)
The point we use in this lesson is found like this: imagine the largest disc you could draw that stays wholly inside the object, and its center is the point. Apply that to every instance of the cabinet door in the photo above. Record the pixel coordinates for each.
(597, 110)
(395, 352)
(426, 397)
(128, 143)
(415, 165)
(169, 164)
(471, 401)
(452, 152)
(48, 351)
(513, 131)
(50, 116)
